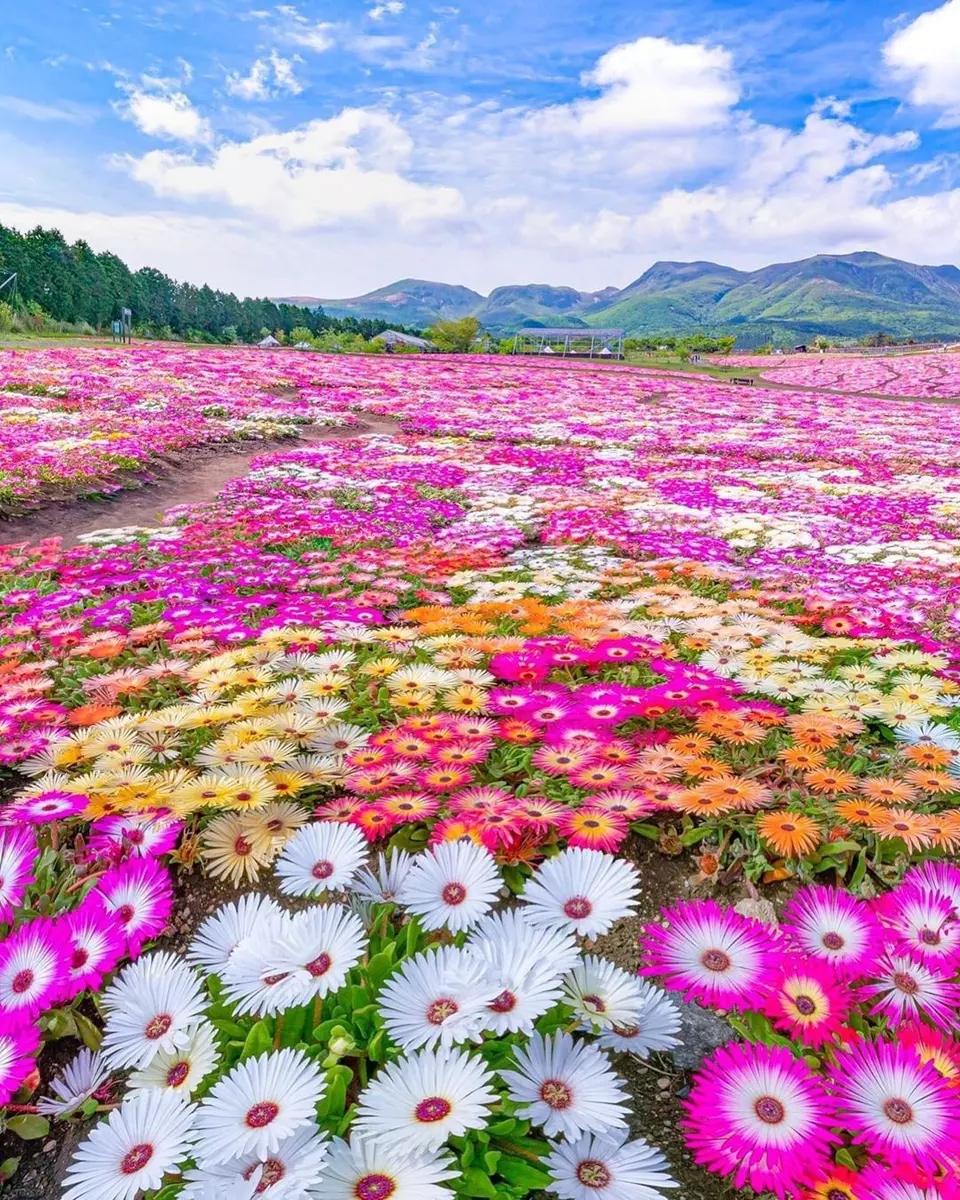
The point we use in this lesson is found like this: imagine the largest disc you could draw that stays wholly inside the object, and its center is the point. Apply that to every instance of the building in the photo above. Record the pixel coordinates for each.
(570, 343)
(392, 337)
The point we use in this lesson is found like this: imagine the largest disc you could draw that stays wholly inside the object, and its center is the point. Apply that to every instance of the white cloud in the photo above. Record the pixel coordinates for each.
(318, 36)
(926, 56)
(343, 170)
(388, 8)
(257, 85)
(159, 110)
(71, 114)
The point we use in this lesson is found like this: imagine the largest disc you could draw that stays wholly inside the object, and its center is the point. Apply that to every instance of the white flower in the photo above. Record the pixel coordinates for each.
(420, 1101)
(656, 1028)
(452, 885)
(438, 997)
(290, 1172)
(219, 935)
(364, 1170)
(608, 1168)
(252, 980)
(322, 857)
(582, 890)
(181, 1070)
(153, 1006)
(525, 966)
(385, 883)
(132, 1150)
(339, 738)
(75, 1084)
(251, 1110)
(605, 996)
(566, 1087)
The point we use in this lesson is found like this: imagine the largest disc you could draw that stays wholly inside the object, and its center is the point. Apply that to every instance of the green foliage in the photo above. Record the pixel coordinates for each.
(6, 317)
(455, 337)
(300, 334)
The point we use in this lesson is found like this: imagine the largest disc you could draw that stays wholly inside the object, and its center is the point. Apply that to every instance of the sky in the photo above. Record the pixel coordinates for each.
(329, 148)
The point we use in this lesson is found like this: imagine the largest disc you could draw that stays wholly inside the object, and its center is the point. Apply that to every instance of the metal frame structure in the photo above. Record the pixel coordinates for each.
(570, 343)
(11, 282)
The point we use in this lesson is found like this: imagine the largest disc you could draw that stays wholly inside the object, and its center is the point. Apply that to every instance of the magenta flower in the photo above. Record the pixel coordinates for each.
(900, 1108)
(43, 807)
(907, 990)
(760, 1115)
(95, 943)
(18, 1050)
(139, 895)
(711, 954)
(18, 850)
(835, 927)
(32, 962)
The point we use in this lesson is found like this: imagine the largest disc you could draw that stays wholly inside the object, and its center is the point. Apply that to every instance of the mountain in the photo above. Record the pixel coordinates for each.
(839, 295)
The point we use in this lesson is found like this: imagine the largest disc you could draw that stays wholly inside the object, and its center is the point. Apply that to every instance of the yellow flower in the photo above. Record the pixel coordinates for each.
(236, 848)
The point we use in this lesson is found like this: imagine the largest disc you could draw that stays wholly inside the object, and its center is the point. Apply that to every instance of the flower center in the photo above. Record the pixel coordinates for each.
(441, 1009)
(836, 1194)
(454, 893)
(906, 983)
(320, 965)
(374, 1187)
(157, 1026)
(592, 1173)
(273, 1171)
(136, 1158)
(556, 1094)
(126, 913)
(833, 941)
(930, 937)
(322, 869)
(262, 1114)
(770, 1110)
(594, 1004)
(716, 960)
(577, 908)
(79, 958)
(805, 1006)
(177, 1075)
(22, 982)
(433, 1109)
(898, 1111)
(273, 980)
(504, 1003)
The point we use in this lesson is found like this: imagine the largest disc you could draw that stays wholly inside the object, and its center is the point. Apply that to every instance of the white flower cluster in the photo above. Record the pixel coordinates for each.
(254, 1129)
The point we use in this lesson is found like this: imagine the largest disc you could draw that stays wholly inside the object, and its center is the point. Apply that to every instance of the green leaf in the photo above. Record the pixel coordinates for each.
(846, 1159)
(8, 1168)
(380, 966)
(692, 836)
(90, 1034)
(259, 1041)
(473, 1182)
(29, 1127)
(859, 871)
(523, 1174)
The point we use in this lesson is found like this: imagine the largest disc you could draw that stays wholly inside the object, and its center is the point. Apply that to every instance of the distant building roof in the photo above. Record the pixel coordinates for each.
(394, 337)
(268, 342)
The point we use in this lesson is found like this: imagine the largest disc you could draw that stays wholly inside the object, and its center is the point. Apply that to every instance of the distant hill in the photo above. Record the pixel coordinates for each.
(839, 295)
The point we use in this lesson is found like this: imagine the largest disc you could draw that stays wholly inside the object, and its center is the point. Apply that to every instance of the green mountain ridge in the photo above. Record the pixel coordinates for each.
(841, 296)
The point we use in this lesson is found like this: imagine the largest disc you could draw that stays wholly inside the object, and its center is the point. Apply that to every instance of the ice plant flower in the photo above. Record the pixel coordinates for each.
(321, 857)
(452, 885)
(440, 997)
(585, 891)
(608, 1167)
(364, 1170)
(152, 1008)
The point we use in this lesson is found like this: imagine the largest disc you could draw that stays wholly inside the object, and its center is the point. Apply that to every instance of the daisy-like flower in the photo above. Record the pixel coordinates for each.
(18, 849)
(905, 989)
(833, 926)
(417, 1103)
(131, 1151)
(608, 1167)
(219, 935)
(365, 1170)
(604, 996)
(453, 885)
(760, 1115)
(235, 848)
(897, 1106)
(287, 1173)
(438, 997)
(139, 895)
(256, 1106)
(878, 1184)
(18, 1052)
(566, 1087)
(936, 876)
(525, 966)
(806, 1000)
(184, 1069)
(925, 925)
(32, 965)
(656, 1028)
(384, 883)
(94, 944)
(322, 857)
(43, 807)
(75, 1084)
(582, 890)
(710, 954)
(151, 1008)
(142, 834)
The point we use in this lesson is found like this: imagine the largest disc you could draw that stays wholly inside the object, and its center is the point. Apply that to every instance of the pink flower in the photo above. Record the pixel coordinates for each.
(139, 896)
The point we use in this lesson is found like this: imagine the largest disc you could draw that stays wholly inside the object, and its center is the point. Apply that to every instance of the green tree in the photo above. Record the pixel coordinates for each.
(455, 337)
(300, 333)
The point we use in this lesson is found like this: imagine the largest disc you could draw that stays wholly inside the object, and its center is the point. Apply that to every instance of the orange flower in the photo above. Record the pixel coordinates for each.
(790, 834)
(695, 800)
(933, 782)
(858, 812)
(912, 828)
(829, 781)
(741, 793)
(944, 831)
(689, 743)
(813, 737)
(802, 759)
(92, 714)
(888, 791)
(705, 768)
(925, 755)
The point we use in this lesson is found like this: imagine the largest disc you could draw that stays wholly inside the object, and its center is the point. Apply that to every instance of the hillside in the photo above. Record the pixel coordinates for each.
(844, 296)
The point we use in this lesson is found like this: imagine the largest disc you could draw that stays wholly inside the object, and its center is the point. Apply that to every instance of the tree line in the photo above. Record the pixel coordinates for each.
(71, 283)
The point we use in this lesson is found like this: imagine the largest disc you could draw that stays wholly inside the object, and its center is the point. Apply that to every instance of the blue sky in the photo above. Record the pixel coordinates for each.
(329, 148)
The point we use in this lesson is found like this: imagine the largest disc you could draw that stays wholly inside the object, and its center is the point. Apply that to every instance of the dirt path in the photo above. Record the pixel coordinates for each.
(198, 476)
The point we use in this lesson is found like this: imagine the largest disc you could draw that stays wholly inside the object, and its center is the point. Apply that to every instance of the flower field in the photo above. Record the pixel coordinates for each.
(330, 803)
(932, 375)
